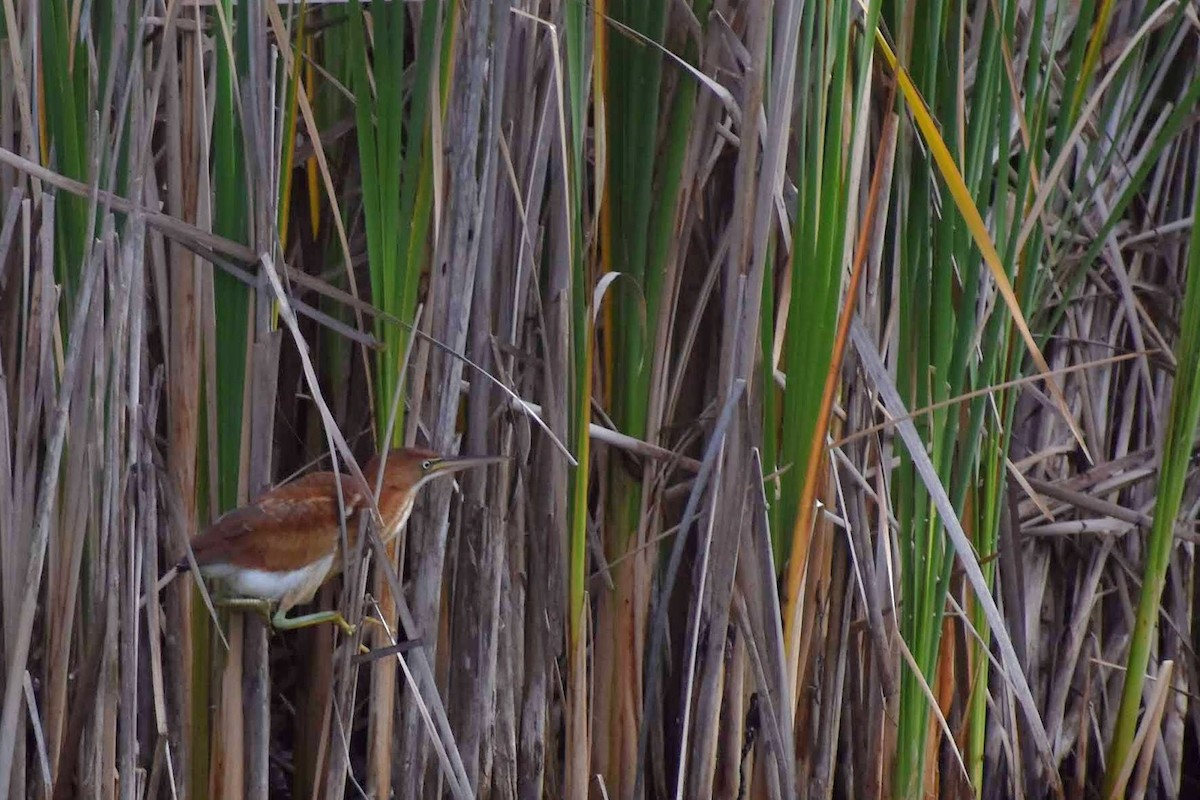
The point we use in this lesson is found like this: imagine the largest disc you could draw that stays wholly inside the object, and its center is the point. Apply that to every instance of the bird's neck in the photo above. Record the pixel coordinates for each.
(395, 521)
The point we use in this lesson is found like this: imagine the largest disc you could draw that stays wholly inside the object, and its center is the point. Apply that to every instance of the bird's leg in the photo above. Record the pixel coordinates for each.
(286, 623)
(256, 604)
(279, 620)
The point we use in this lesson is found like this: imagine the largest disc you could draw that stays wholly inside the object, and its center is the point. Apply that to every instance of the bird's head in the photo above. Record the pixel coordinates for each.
(407, 469)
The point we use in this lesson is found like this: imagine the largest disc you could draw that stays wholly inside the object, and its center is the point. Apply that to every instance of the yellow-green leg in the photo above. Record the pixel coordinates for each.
(286, 623)
(246, 604)
(281, 621)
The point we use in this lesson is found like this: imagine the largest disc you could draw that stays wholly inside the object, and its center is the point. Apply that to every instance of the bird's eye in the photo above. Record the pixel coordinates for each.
(426, 465)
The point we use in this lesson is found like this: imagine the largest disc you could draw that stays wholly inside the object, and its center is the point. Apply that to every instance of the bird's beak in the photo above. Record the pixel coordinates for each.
(455, 463)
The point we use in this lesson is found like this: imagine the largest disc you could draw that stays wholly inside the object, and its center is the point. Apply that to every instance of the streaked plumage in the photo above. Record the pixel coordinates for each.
(282, 546)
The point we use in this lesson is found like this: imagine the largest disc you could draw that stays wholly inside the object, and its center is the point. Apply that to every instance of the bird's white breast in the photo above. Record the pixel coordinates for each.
(271, 585)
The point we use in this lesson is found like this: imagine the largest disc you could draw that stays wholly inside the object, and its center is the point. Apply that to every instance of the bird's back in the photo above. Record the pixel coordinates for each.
(286, 528)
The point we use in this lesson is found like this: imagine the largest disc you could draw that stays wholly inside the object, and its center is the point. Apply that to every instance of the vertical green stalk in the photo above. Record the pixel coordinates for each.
(293, 84)
(999, 362)
(825, 89)
(231, 308)
(1178, 444)
(575, 52)
(940, 280)
(393, 101)
(579, 390)
(646, 139)
(231, 297)
(65, 103)
(396, 167)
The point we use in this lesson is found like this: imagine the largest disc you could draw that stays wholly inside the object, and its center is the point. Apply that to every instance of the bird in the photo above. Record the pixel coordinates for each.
(280, 548)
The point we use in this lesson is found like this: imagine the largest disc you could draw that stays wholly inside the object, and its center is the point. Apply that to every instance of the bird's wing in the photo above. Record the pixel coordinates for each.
(286, 528)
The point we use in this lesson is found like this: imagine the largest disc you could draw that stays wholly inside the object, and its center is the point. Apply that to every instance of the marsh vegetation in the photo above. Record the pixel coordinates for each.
(846, 354)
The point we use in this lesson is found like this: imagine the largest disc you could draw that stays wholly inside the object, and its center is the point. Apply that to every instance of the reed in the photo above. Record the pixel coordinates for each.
(842, 353)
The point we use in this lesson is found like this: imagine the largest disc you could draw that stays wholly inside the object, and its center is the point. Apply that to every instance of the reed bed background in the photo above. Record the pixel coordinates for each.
(846, 353)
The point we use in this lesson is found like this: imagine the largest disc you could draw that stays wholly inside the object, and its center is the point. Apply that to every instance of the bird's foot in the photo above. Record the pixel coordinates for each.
(285, 623)
(370, 620)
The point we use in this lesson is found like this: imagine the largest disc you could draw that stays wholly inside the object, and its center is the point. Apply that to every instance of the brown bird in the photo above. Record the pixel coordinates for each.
(280, 548)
